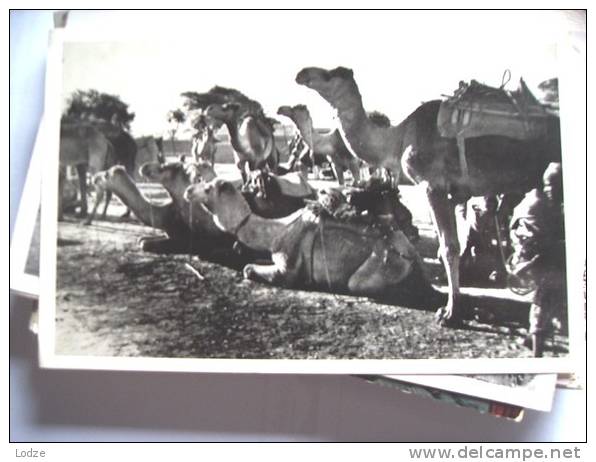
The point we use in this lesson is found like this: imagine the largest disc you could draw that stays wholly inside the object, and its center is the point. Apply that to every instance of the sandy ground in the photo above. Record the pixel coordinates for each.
(113, 299)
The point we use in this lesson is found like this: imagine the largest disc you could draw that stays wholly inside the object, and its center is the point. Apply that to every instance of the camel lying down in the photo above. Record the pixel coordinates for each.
(185, 234)
(315, 252)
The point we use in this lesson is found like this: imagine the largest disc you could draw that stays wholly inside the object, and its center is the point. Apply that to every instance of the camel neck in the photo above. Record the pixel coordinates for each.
(306, 130)
(176, 191)
(232, 126)
(149, 213)
(350, 110)
(375, 144)
(260, 233)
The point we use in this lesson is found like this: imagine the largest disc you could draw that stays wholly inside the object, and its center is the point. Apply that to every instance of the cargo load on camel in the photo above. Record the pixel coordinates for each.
(476, 110)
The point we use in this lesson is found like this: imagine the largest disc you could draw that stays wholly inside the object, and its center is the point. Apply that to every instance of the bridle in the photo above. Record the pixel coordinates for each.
(241, 224)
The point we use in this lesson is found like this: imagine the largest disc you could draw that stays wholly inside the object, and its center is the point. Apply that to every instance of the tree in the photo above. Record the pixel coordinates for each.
(92, 104)
(220, 95)
(176, 118)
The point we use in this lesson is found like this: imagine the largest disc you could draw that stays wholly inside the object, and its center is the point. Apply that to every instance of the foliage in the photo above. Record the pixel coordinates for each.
(92, 104)
(220, 95)
(177, 116)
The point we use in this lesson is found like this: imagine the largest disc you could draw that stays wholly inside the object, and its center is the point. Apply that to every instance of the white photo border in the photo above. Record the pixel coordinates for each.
(573, 169)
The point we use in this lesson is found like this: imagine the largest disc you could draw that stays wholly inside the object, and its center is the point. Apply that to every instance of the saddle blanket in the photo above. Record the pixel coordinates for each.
(294, 184)
(476, 109)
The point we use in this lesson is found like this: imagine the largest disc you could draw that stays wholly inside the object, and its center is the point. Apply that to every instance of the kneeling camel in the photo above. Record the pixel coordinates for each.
(315, 252)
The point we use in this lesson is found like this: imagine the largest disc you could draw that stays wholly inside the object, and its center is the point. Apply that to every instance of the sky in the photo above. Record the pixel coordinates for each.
(399, 58)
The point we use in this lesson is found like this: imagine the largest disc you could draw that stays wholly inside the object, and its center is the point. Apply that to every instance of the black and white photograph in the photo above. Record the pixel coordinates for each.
(357, 192)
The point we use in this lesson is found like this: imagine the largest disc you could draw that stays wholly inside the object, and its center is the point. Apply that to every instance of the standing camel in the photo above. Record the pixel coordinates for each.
(250, 135)
(329, 145)
(87, 149)
(495, 164)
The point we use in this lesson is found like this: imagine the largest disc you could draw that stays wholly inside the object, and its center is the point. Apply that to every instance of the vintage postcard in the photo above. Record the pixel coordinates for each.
(24, 248)
(234, 210)
(526, 391)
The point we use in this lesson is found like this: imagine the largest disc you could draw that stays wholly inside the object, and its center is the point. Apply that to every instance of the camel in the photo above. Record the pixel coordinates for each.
(330, 145)
(187, 233)
(251, 137)
(125, 153)
(316, 252)
(268, 195)
(159, 216)
(87, 149)
(175, 177)
(495, 164)
(273, 196)
(149, 149)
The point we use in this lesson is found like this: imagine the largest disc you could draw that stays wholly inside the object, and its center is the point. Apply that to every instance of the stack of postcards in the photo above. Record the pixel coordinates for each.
(244, 212)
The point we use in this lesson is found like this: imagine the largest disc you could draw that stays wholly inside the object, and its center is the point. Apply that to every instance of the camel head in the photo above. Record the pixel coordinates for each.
(172, 175)
(201, 171)
(298, 113)
(222, 112)
(330, 84)
(221, 199)
(286, 111)
(112, 178)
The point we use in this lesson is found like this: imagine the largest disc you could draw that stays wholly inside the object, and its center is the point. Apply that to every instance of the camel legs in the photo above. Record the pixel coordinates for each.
(263, 273)
(280, 272)
(99, 196)
(373, 277)
(443, 213)
(160, 244)
(273, 160)
(61, 179)
(108, 198)
(338, 171)
(82, 174)
(242, 165)
(355, 169)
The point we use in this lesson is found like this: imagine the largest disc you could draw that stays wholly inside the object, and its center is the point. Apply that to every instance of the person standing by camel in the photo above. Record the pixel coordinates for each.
(538, 239)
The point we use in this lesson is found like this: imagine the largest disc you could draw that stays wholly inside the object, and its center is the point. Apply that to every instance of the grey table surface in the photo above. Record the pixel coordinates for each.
(58, 405)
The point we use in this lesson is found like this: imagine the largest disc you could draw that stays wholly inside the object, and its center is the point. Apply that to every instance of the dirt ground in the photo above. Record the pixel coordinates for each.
(113, 299)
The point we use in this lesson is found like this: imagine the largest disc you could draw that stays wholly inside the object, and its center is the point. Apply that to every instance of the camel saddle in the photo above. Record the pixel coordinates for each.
(476, 109)
(294, 184)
